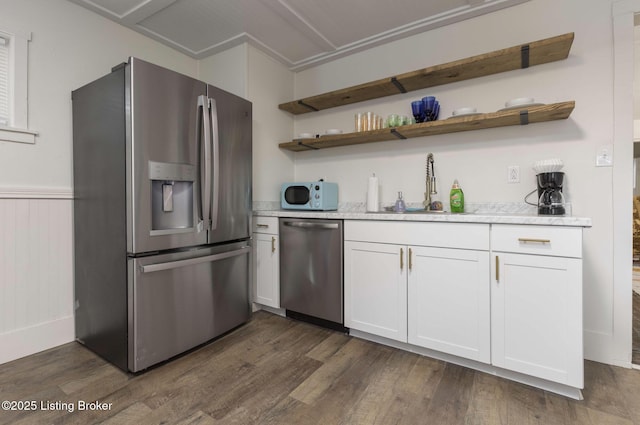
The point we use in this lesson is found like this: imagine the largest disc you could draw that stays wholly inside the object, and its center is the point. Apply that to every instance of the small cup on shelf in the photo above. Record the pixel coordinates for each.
(369, 121)
(417, 109)
(407, 120)
(429, 104)
(393, 120)
(359, 121)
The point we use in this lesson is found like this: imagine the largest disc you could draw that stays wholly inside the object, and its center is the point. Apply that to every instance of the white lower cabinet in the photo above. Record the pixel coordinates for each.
(536, 301)
(449, 301)
(375, 284)
(433, 297)
(266, 262)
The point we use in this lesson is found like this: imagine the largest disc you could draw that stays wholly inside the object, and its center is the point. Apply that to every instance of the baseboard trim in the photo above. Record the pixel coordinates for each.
(278, 311)
(36, 193)
(26, 341)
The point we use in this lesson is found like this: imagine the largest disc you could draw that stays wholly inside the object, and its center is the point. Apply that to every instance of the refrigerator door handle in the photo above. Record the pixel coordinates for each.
(191, 261)
(205, 162)
(216, 163)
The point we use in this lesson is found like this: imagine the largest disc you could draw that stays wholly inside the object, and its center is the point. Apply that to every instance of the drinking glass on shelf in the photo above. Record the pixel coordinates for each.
(429, 103)
(359, 121)
(417, 109)
(435, 112)
(369, 121)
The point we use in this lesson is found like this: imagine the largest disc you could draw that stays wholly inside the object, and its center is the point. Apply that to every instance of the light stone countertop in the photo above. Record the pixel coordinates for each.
(491, 213)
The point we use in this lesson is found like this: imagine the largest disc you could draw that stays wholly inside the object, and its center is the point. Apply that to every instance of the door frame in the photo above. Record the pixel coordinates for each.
(623, 12)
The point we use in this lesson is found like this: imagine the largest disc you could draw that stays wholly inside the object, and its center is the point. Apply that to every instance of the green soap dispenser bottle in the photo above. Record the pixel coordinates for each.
(456, 198)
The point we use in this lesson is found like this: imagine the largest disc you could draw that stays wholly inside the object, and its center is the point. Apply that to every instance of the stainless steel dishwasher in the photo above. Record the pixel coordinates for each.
(311, 262)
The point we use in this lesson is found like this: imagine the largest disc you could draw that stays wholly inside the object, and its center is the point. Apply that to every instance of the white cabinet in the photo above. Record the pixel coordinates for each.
(416, 291)
(375, 284)
(266, 260)
(536, 301)
(449, 301)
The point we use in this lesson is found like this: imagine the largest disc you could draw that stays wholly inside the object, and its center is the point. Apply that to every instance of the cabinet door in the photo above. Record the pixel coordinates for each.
(375, 277)
(536, 304)
(266, 269)
(449, 301)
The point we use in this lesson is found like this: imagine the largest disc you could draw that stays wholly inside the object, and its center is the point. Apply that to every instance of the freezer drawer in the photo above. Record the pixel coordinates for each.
(181, 300)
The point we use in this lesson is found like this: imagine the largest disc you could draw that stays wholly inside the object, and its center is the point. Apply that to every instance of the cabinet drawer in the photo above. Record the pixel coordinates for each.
(267, 225)
(543, 240)
(443, 235)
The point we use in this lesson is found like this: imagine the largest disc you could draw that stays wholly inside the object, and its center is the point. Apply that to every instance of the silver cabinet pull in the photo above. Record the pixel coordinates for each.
(192, 261)
(534, 240)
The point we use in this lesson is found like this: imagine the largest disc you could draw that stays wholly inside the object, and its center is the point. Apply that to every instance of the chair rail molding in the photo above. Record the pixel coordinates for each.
(36, 192)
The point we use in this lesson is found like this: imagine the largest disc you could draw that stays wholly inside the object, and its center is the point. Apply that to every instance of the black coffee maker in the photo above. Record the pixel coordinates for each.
(550, 197)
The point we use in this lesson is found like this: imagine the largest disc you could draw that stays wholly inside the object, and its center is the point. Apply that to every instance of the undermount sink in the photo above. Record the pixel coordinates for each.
(418, 212)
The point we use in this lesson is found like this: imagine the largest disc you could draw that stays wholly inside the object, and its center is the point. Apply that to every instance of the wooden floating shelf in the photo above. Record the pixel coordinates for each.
(511, 117)
(516, 57)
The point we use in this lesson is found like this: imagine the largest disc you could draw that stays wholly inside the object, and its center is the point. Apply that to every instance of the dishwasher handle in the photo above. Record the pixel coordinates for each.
(192, 261)
(311, 225)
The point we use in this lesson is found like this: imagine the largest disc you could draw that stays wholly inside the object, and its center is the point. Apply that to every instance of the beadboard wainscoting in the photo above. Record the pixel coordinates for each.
(36, 271)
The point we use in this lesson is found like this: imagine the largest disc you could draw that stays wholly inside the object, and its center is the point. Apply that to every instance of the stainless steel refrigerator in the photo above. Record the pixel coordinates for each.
(162, 211)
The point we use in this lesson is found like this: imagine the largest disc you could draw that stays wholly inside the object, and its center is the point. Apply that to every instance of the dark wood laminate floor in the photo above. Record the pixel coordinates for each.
(278, 371)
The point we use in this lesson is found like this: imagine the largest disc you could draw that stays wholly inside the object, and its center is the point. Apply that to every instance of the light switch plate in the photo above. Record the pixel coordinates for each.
(604, 157)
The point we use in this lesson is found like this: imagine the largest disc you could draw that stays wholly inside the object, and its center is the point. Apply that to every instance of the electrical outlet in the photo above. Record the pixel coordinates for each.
(513, 174)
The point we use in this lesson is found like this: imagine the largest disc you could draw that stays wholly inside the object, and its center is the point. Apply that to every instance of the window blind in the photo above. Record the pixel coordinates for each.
(4, 80)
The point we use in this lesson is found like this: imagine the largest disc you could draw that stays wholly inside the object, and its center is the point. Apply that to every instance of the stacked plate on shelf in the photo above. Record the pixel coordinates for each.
(463, 112)
(520, 102)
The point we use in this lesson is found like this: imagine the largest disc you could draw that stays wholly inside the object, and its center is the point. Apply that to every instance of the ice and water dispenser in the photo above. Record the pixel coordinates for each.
(172, 191)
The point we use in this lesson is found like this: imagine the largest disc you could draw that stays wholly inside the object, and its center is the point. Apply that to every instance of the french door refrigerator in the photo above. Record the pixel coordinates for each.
(162, 210)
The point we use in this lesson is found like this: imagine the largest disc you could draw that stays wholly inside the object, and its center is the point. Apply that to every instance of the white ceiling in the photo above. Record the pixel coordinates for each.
(299, 33)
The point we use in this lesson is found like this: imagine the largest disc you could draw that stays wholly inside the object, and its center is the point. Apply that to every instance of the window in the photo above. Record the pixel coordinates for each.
(13, 88)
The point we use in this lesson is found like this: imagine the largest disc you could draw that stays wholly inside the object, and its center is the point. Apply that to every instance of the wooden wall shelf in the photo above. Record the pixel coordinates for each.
(503, 118)
(516, 57)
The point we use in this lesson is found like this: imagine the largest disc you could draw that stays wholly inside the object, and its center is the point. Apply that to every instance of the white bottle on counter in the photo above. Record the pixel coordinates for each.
(372, 194)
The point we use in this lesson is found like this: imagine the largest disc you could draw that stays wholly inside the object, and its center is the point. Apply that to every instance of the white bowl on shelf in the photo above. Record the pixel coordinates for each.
(519, 101)
(333, 131)
(464, 111)
(305, 136)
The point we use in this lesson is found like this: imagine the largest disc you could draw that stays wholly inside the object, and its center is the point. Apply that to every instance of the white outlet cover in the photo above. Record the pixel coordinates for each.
(513, 174)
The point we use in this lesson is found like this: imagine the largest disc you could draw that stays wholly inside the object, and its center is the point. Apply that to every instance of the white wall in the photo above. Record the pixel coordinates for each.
(479, 159)
(270, 83)
(227, 70)
(70, 47)
(36, 291)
